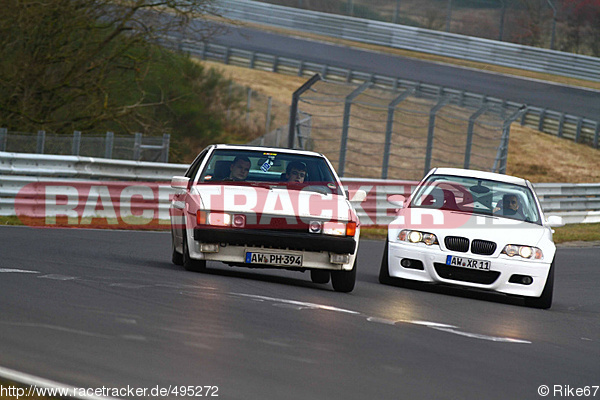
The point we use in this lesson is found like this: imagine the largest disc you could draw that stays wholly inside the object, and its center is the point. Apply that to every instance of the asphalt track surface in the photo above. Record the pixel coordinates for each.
(93, 308)
(575, 101)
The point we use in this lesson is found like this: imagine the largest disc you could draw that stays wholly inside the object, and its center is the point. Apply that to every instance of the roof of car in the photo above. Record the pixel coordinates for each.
(266, 148)
(479, 174)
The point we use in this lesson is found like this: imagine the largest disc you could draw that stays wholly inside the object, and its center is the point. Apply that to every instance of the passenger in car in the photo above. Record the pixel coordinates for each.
(511, 207)
(295, 172)
(239, 169)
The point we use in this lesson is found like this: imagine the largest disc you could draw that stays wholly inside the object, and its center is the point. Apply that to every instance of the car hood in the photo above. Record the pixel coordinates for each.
(275, 201)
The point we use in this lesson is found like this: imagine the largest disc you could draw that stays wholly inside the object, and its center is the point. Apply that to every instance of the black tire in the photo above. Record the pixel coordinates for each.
(384, 270)
(176, 257)
(344, 281)
(319, 276)
(189, 263)
(545, 299)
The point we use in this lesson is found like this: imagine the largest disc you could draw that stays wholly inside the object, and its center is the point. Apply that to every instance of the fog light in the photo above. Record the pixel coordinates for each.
(405, 263)
(209, 247)
(239, 220)
(339, 258)
(314, 227)
(527, 280)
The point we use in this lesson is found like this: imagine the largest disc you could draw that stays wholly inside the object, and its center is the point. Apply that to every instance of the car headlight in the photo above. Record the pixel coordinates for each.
(529, 252)
(411, 236)
(220, 219)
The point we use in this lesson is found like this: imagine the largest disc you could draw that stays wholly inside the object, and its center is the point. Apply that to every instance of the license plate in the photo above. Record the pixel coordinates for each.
(463, 262)
(274, 259)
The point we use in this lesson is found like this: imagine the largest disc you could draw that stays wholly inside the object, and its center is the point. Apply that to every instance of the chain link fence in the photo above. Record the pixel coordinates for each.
(374, 132)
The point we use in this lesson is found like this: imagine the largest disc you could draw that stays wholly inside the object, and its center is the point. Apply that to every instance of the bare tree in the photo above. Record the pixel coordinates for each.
(81, 63)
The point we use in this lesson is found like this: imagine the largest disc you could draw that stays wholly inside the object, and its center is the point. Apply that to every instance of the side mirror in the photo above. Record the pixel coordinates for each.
(180, 182)
(555, 221)
(397, 200)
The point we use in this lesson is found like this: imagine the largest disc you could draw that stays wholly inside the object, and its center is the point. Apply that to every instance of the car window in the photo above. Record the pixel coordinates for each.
(478, 196)
(271, 167)
(195, 165)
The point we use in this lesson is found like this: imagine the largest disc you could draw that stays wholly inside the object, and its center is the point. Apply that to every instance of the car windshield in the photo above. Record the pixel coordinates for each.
(477, 196)
(267, 168)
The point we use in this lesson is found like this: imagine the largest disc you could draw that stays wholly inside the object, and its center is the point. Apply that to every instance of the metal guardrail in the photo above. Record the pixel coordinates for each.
(560, 124)
(417, 39)
(576, 203)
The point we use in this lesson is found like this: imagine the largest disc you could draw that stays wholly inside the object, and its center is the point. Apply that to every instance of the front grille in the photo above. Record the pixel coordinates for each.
(457, 243)
(466, 275)
(483, 247)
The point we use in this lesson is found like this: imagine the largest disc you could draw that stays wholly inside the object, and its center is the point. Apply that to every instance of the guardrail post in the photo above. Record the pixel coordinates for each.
(472, 120)
(561, 125)
(137, 146)
(165, 147)
(227, 55)
(4, 138)
(108, 145)
(389, 128)
(596, 134)
(578, 133)
(346, 125)
(41, 141)
(441, 103)
(301, 68)
(76, 143)
(275, 63)
(294, 108)
(252, 60)
(541, 121)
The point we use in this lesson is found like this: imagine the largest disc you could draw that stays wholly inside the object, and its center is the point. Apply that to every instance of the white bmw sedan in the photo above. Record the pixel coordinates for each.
(263, 207)
(476, 230)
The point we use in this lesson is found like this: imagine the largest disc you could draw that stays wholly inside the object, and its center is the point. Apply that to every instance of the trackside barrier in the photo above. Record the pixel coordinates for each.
(560, 124)
(137, 194)
(412, 38)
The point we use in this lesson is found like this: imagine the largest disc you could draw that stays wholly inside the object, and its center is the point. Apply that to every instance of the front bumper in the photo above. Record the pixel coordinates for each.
(234, 243)
(276, 239)
(498, 279)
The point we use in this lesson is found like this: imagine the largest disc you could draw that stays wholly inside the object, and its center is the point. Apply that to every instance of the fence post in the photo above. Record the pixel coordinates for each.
(294, 108)
(4, 138)
(76, 143)
(472, 120)
(165, 147)
(429, 151)
(137, 146)
(248, 100)
(389, 128)
(346, 125)
(268, 118)
(108, 145)
(502, 152)
(41, 141)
